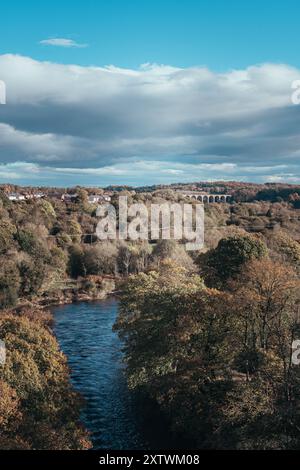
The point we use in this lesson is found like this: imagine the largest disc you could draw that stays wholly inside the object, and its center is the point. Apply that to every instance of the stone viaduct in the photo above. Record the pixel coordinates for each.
(206, 198)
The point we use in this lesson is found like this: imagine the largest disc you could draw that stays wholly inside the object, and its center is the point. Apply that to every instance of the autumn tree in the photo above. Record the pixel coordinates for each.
(38, 409)
(9, 283)
(172, 250)
(264, 408)
(101, 258)
(177, 346)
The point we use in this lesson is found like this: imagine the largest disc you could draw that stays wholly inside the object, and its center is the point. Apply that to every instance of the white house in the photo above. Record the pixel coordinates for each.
(16, 197)
(38, 195)
(96, 198)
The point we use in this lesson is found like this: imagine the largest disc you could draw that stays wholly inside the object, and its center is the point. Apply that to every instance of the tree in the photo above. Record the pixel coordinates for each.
(32, 274)
(170, 249)
(140, 256)
(217, 362)
(177, 347)
(101, 258)
(10, 418)
(264, 408)
(63, 240)
(74, 230)
(82, 200)
(7, 231)
(31, 244)
(286, 249)
(76, 261)
(125, 255)
(9, 283)
(227, 260)
(38, 409)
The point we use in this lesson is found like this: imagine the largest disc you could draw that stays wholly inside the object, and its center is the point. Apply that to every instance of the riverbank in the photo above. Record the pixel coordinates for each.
(88, 289)
(35, 315)
(114, 417)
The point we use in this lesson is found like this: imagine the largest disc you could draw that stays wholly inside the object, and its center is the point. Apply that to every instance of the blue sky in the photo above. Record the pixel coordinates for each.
(212, 101)
(216, 33)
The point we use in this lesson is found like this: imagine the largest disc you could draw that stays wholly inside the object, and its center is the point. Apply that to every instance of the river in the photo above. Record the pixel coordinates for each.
(94, 352)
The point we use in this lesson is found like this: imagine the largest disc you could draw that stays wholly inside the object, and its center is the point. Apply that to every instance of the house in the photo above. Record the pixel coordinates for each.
(16, 197)
(96, 198)
(38, 195)
(106, 197)
(66, 197)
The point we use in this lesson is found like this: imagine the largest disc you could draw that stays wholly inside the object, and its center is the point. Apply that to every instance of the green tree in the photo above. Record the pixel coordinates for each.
(7, 231)
(76, 261)
(31, 244)
(74, 231)
(227, 260)
(9, 283)
(32, 274)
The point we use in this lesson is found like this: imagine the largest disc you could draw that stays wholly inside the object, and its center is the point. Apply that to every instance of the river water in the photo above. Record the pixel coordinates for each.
(94, 352)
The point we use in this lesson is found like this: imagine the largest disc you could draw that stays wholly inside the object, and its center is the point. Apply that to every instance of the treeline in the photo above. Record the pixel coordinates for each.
(213, 349)
(48, 246)
(240, 191)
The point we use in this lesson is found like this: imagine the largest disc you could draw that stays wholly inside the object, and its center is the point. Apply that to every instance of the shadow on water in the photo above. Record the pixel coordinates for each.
(116, 418)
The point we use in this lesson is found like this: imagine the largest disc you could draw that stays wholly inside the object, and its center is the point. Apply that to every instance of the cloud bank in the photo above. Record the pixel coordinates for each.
(67, 124)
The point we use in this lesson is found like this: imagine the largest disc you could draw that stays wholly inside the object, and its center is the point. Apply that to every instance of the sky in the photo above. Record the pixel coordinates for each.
(149, 91)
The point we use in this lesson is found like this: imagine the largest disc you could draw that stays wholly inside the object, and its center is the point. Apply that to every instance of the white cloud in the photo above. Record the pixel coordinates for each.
(154, 172)
(61, 42)
(113, 122)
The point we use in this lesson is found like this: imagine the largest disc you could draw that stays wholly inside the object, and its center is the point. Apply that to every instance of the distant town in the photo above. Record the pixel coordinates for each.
(202, 197)
(203, 192)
